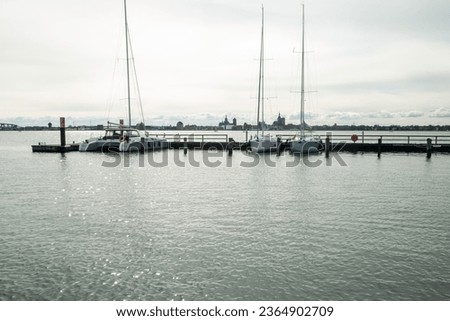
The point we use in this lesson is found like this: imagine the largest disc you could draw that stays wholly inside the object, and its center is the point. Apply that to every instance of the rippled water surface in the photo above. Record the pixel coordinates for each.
(272, 228)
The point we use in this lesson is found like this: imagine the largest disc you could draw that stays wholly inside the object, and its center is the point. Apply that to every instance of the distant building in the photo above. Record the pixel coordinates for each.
(262, 125)
(180, 125)
(280, 122)
(226, 123)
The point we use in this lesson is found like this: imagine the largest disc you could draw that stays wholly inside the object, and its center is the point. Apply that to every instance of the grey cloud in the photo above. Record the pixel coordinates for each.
(381, 114)
(440, 113)
(344, 115)
(392, 19)
(373, 115)
(430, 82)
(296, 116)
(412, 114)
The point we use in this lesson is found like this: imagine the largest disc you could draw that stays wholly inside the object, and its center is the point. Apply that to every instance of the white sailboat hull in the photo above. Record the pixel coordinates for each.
(98, 145)
(306, 146)
(143, 144)
(265, 144)
(123, 139)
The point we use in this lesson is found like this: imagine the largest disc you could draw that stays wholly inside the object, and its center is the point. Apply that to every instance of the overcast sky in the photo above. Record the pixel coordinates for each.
(368, 62)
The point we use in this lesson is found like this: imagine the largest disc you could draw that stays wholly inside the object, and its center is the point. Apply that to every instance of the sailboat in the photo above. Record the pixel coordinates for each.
(123, 138)
(262, 143)
(304, 144)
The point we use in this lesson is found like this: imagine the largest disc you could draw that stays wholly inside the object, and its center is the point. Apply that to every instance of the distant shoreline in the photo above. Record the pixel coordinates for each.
(289, 127)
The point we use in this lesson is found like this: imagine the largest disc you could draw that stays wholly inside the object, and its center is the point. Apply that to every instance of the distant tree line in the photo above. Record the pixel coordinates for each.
(246, 126)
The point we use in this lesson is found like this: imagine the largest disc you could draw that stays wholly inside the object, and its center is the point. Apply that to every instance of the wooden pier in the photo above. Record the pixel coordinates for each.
(62, 147)
(384, 143)
(44, 148)
(331, 143)
(389, 148)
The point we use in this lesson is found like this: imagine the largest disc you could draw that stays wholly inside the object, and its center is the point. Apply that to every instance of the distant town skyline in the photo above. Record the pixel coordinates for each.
(279, 123)
(368, 62)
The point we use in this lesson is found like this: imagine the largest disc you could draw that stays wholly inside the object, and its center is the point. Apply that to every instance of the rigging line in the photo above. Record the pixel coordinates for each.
(128, 62)
(136, 80)
(110, 103)
(263, 123)
(121, 91)
(261, 71)
(302, 94)
(116, 108)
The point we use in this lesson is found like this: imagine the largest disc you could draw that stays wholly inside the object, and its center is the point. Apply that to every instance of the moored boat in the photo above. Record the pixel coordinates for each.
(305, 144)
(262, 143)
(122, 138)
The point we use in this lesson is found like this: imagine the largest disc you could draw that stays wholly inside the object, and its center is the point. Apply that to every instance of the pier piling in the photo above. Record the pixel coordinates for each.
(429, 147)
(327, 146)
(230, 146)
(379, 146)
(62, 130)
(278, 146)
(185, 146)
(141, 146)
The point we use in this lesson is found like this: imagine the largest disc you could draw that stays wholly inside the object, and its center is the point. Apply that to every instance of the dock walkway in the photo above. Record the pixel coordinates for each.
(338, 143)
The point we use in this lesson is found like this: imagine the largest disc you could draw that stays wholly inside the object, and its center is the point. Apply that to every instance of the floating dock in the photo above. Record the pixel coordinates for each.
(44, 148)
(334, 147)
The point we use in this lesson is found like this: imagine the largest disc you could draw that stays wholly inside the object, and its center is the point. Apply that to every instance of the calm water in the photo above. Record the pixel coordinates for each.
(72, 229)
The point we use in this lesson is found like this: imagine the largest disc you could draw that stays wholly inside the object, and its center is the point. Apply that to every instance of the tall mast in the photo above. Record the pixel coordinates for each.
(302, 89)
(261, 80)
(128, 64)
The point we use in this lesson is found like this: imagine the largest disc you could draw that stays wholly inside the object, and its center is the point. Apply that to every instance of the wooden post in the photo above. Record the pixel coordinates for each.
(185, 146)
(142, 145)
(278, 146)
(246, 135)
(429, 147)
(379, 146)
(362, 136)
(230, 147)
(327, 146)
(62, 130)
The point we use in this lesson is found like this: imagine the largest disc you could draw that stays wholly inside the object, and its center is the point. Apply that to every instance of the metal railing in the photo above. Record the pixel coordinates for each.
(294, 136)
(201, 138)
(373, 138)
(391, 139)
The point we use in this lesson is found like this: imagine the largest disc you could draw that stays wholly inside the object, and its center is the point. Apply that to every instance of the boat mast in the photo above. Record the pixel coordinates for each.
(261, 80)
(128, 64)
(302, 90)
